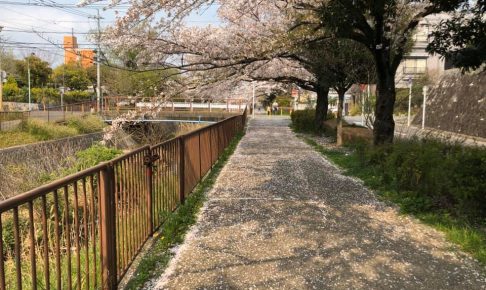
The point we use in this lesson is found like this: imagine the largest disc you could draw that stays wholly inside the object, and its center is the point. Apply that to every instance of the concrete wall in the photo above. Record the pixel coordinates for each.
(457, 103)
(37, 152)
(23, 168)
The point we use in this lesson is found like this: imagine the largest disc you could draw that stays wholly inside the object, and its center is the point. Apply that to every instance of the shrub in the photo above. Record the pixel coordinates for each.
(303, 121)
(47, 131)
(45, 95)
(95, 155)
(10, 88)
(431, 174)
(87, 124)
(77, 96)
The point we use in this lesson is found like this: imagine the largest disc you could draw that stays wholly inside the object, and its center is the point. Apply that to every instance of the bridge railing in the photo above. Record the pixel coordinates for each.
(84, 231)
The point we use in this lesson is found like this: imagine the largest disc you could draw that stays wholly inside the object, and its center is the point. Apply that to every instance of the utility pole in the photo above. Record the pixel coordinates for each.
(63, 85)
(28, 80)
(98, 59)
(1, 78)
(1, 84)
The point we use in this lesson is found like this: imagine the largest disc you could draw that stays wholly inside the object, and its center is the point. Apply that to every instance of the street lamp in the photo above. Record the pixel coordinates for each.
(28, 79)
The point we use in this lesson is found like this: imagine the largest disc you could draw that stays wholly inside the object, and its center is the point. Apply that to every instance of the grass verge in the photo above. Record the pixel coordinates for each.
(469, 237)
(178, 223)
(32, 131)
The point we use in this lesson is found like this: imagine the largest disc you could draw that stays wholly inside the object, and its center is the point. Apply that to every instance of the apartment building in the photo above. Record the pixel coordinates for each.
(418, 61)
(72, 53)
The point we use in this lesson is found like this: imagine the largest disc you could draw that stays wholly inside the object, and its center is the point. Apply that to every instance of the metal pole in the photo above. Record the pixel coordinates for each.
(253, 102)
(409, 102)
(1, 79)
(63, 86)
(423, 107)
(28, 80)
(98, 70)
(1, 82)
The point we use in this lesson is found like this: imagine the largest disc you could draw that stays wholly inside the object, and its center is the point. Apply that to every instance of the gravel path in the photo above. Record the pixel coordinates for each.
(280, 216)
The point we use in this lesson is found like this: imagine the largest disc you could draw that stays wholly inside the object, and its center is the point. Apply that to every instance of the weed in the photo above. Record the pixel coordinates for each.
(85, 125)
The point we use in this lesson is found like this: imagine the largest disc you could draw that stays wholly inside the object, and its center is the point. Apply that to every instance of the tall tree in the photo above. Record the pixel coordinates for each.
(40, 71)
(384, 27)
(73, 76)
(462, 39)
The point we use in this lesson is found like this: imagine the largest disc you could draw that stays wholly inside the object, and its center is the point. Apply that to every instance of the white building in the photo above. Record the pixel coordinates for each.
(419, 62)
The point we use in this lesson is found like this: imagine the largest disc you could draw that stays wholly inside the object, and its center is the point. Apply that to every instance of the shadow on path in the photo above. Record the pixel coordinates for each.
(281, 216)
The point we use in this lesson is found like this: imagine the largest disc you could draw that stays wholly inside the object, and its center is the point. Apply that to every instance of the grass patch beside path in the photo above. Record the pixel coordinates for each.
(173, 231)
(33, 130)
(470, 237)
(14, 138)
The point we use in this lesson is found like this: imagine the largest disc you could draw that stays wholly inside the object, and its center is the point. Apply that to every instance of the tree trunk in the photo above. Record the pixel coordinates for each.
(339, 127)
(384, 125)
(322, 106)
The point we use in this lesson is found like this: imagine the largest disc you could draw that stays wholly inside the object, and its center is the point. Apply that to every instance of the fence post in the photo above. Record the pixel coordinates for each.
(200, 156)
(108, 230)
(181, 169)
(211, 146)
(149, 160)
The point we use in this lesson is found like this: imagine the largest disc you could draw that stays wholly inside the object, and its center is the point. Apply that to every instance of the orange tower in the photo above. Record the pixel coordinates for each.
(70, 49)
(87, 57)
(74, 55)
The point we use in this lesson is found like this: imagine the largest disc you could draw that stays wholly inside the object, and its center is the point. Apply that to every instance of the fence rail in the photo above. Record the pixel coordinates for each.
(83, 231)
(11, 120)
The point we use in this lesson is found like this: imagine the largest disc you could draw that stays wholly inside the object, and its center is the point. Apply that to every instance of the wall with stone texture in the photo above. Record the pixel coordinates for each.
(457, 103)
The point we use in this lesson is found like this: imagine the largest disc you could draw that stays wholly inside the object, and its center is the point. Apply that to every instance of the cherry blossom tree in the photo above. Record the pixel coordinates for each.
(258, 40)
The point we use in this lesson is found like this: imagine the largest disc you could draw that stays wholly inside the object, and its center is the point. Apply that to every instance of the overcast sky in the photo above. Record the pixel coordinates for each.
(21, 22)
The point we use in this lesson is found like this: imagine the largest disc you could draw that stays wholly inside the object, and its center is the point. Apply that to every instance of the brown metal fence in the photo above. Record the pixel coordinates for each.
(12, 120)
(62, 113)
(84, 231)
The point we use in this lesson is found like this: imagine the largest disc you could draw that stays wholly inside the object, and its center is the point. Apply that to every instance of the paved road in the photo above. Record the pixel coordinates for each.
(280, 216)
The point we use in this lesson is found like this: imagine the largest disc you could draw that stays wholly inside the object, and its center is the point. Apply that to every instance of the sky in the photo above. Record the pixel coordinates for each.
(22, 21)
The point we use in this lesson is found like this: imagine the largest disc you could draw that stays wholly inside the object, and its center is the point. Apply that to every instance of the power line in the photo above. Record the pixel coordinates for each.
(46, 32)
(50, 23)
(38, 43)
(53, 4)
(65, 5)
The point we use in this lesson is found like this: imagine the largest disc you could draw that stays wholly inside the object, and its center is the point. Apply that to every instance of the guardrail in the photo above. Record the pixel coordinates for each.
(83, 231)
